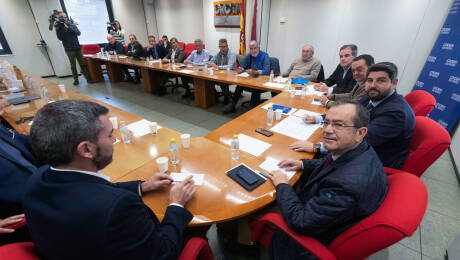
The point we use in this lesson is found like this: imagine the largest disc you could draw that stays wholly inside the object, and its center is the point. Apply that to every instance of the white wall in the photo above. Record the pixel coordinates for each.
(181, 19)
(21, 32)
(132, 18)
(150, 17)
(455, 148)
(399, 31)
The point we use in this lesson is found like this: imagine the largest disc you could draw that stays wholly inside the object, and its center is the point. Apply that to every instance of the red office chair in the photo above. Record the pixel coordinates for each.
(90, 48)
(182, 45)
(398, 216)
(125, 47)
(429, 141)
(421, 102)
(196, 248)
(188, 49)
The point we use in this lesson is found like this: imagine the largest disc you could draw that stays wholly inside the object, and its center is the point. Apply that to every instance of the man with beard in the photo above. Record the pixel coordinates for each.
(74, 212)
(392, 119)
(337, 191)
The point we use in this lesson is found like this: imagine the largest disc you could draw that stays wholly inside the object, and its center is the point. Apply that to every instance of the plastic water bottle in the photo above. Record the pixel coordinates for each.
(211, 71)
(270, 116)
(235, 144)
(272, 75)
(304, 91)
(45, 94)
(205, 66)
(173, 65)
(174, 150)
(125, 134)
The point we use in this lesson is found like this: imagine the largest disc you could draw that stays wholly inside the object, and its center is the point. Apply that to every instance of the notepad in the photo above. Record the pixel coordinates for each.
(181, 176)
(286, 110)
(141, 127)
(271, 165)
(293, 126)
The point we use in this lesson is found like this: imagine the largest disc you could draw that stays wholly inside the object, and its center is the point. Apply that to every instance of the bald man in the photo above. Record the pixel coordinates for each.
(113, 47)
(306, 67)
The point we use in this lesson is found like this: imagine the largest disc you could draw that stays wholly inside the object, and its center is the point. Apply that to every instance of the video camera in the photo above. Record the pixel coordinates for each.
(55, 17)
(111, 26)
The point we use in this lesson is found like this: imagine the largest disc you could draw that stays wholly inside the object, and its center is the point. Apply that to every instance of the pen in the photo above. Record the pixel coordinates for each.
(263, 174)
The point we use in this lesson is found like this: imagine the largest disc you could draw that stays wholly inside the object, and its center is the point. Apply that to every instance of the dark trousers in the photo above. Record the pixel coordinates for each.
(255, 96)
(225, 90)
(77, 56)
(128, 75)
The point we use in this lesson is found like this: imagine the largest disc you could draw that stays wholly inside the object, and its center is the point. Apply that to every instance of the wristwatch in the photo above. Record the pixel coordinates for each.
(316, 147)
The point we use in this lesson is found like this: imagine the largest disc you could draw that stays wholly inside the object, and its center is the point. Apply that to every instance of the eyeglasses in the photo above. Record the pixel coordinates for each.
(335, 125)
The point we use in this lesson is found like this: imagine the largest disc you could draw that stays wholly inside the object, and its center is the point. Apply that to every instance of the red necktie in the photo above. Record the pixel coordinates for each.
(327, 162)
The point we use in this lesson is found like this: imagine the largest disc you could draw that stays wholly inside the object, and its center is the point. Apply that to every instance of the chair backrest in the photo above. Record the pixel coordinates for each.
(429, 141)
(275, 65)
(188, 49)
(421, 102)
(182, 45)
(321, 77)
(398, 216)
(241, 60)
(196, 248)
(126, 48)
(90, 48)
(19, 251)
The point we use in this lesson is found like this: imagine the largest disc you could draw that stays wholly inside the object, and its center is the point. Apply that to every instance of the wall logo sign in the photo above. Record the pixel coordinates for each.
(441, 74)
(227, 13)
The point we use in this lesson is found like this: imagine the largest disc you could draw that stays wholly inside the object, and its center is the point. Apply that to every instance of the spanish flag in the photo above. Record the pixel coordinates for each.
(242, 29)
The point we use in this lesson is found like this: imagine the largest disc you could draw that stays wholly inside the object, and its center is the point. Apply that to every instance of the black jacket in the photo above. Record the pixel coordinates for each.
(333, 199)
(390, 131)
(117, 47)
(135, 50)
(161, 52)
(69, 37)
(344, 85)
(72, 215)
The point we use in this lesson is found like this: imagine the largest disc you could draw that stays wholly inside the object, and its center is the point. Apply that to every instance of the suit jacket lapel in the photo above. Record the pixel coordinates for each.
(7, 136)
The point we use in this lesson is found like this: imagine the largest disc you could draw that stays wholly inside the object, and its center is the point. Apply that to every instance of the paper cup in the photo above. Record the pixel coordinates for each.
(153, 128)
(278, 114)
(114, 121)
(185, 140)
(162, 164)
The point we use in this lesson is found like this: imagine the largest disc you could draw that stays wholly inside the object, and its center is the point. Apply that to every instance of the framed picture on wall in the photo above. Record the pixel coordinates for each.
(227, 13)
(4, 47)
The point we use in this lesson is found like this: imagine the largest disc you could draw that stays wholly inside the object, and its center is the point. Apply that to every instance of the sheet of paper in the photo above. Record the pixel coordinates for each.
(316, 103)
(294, 127)
(271, 164)
(310, 91)
(274, 85)
(281, 79)
(181, 176)
(302, 112)
(141, 127)
(87, 55)
(10, 90)
(122, 56)
(271, 104)
(243, 74)
(186, 71)
(252, 145)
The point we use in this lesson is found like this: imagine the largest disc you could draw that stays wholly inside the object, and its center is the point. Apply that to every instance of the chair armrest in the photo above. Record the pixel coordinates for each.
(17, 224)
(196, 247)
(310, 244)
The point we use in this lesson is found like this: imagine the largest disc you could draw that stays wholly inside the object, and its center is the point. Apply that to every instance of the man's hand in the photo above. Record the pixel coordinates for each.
(323, 100)
(309, 119)
(278, 177)
(253, 72)
(330, 96)
(291, 165)
(321, 87)
(8, 221)
(164, 60)
(239, 70)
(212, 64)
(157, 181)
(111, 52)
(302, 146)
(188, 62)
(181, 193)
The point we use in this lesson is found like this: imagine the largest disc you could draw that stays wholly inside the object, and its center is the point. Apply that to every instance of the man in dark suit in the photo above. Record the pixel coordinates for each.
(74, 212)
(136, 51)
(337, 191)
(154, 51)
(392, 119)
(342, 76)
(113, 47)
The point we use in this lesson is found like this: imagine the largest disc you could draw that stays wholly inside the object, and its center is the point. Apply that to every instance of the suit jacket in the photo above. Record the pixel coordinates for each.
(390, 129)
(344, 85)
(356, 94)
(117, 47)
(14, 175)
(72, 215)
(135, 50)
(161, 51)
(332, 199)
(179, 57)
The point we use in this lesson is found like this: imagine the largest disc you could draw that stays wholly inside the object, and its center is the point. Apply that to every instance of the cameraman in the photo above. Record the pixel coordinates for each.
(68, 33)
(117, 32)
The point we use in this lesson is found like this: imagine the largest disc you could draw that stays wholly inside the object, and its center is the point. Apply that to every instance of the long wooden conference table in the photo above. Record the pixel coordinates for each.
(219, 198)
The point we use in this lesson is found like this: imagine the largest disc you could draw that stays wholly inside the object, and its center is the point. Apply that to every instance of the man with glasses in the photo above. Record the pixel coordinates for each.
(224, 60)
(337, 191)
